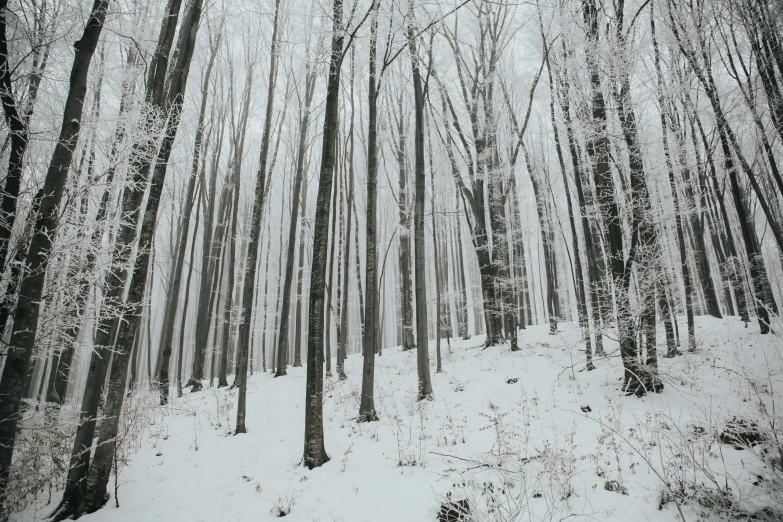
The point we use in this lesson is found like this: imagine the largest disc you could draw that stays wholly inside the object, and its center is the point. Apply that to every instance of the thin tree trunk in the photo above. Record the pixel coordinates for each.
(209, 260)
(300, 282)
(255, 232)
(328, 325)
(172, 298)
(342, 349)
(183, 322)
(419, 260)
(266, 295)
(436, 259)
(403, 200)
(282, 346)
(581, 300)
(370, 343)
(462, 314)
(235, 164)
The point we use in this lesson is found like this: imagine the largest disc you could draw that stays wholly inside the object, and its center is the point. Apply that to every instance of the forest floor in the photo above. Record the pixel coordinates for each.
(527, 435)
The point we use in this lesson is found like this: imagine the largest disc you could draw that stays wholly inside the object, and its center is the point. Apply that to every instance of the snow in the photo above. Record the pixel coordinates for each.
(531, 437)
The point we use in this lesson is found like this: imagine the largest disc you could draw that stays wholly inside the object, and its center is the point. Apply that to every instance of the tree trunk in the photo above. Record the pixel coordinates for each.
(419, 260)
(328, 325)
(438, 268)
(235, 163)
(183, 321)
(255, 233)
(19, 132)
(462, 312)
(369, 338)
(100, 469)
(598, 151)
(300, 282)
(20, 346)
(403, 200)
(342, 349)
(210, 252)
(314, 451)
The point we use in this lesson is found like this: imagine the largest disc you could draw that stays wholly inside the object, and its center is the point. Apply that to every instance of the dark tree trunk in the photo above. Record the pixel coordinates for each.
(97, 478)
(279, 296)
(437, 265)
(266, 296)
(403, 201)
(342, 347)
(18, 122)
(520, 263)
(314, 451)
(419, 259)
(462, 307)
(644, 253)
(598, 151)
(369, 338)
(360, 291)
(20, 346)
(328, 325)
(341, 177)
(255, 234)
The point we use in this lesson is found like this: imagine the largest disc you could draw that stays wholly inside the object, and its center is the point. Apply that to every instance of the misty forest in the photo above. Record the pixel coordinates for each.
(352, 260)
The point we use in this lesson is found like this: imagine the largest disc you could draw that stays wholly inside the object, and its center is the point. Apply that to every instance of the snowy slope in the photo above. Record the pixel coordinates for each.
(546, 459)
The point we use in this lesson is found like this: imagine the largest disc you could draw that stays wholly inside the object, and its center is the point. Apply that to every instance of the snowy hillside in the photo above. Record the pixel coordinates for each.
(528, 433)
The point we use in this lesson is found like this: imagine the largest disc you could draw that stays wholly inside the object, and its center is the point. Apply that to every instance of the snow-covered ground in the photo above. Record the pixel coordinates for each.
(523, 436)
